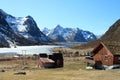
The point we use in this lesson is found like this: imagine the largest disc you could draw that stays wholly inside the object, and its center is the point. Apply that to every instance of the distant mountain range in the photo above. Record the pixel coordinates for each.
(60, 34)
(19, 31)
(23, 31)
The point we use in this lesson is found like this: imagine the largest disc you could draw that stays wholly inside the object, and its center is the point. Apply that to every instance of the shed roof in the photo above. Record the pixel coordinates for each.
(113, 47)
(46, 60)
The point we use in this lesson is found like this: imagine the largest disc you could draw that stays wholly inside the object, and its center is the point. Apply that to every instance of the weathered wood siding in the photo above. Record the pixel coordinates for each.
(103, 55)
(116, 59)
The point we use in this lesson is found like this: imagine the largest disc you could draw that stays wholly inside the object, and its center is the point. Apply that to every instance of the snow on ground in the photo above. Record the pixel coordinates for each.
(29, 49)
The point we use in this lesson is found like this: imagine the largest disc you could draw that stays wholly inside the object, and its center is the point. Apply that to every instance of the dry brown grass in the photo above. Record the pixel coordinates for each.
(73, 51)
(74, 69)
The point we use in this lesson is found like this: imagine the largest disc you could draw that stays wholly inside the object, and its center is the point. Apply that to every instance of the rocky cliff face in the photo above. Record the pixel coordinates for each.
(19, 31)
(60, 34)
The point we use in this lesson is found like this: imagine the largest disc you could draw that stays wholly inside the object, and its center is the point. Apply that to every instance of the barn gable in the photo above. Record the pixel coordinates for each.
(100, 47)
(107, 53)
(111, 47)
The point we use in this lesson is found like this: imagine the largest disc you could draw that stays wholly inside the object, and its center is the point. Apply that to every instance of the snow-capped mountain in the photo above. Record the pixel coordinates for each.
(19, 30)
(46, 31)
(60, 34)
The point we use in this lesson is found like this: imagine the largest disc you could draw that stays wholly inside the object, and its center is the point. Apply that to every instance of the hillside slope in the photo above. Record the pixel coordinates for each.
(112, 35)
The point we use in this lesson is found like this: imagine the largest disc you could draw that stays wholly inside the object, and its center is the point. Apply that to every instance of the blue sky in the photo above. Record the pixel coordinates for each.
(93, 15)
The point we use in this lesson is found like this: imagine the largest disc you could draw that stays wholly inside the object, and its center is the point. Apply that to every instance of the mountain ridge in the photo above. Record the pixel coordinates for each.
(111, 36)
(19, 30)
(60, 34)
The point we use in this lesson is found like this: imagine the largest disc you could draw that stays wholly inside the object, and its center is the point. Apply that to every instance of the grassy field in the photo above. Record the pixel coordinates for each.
(74, 69)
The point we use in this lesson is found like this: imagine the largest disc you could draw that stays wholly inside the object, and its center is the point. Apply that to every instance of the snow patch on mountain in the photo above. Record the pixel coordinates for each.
(21, 29)
(69, 34)
(17, 24)
(88, 35)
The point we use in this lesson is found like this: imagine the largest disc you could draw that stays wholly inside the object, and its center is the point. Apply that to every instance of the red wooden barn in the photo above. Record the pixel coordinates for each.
(107, 54)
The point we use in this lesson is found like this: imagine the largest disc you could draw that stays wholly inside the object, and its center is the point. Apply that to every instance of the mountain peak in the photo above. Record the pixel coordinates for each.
(30, 17)
(45, 31)
(58, 27)
(60, 34)
(20, 30)
(58, 30)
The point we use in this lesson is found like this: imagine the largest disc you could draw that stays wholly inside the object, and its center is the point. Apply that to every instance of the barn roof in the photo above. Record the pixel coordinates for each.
(113, 47)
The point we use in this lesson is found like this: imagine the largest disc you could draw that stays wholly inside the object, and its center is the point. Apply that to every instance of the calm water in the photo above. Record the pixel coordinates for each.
(36, 49)
(29, 49)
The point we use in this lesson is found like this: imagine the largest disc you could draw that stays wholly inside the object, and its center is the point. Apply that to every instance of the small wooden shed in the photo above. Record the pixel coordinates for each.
(107, 53)
(51, 61)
